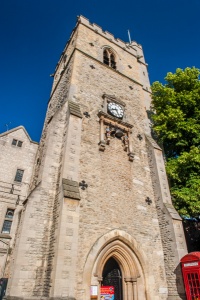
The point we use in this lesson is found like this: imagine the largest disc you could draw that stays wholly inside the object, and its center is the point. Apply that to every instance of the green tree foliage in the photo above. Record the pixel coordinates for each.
(177, 126)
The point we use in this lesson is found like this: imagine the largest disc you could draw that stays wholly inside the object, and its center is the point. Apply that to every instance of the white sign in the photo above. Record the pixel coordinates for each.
(191, 264)
(93, 290)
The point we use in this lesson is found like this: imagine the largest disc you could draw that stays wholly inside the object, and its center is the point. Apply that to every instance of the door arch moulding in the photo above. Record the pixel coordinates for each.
(131, 259)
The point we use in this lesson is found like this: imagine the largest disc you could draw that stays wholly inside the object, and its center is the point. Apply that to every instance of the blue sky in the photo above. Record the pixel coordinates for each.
(33, 34)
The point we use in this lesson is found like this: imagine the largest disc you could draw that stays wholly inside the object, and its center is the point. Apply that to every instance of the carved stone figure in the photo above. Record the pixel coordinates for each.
(125, 141)
(108, 132)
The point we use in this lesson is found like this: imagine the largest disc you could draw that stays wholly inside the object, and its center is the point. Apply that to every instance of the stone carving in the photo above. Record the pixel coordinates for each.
(102, 146)
(125, 141)
(108, 132)
(70, 189)
(131, 156)
(111, 128)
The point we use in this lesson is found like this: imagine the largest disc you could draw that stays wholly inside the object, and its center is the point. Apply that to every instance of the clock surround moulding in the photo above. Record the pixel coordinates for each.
(108, 120)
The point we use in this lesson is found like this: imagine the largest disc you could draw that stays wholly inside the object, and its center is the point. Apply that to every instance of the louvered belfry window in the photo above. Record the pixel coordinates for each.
(106, 57)
(112, 61)
(109, 58)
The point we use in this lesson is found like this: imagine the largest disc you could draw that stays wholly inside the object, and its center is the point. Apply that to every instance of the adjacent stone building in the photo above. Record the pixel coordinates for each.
(98, 212)
(17, 159)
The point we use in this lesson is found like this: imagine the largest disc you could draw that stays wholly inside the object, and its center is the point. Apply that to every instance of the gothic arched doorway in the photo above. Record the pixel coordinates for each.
(112, 276)
(115, 251)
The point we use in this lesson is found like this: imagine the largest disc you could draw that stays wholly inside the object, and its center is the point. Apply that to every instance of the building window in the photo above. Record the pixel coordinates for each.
(17, 143)
(14, 142)
(112, 61)
(19, 175)
(8, 221)
(106, 57)
(109, 58)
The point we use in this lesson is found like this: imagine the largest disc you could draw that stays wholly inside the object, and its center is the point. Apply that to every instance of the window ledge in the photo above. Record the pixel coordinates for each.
(17, 182)
(16, 147)
(5, 236)
(3, 250)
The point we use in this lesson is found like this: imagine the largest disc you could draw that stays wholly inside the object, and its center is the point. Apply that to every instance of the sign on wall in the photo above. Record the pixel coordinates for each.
(94, 292)
(107, 293)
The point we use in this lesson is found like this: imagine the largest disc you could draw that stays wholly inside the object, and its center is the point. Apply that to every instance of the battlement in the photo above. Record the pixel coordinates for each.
(131, 48)
(134, 48)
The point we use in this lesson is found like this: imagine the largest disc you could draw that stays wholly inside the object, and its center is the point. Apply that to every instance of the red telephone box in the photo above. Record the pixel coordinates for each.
(191, 275)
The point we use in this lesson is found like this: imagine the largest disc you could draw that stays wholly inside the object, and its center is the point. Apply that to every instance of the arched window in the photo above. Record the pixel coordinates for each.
(112, 61)
(106, 57)
(109, 58)
(112, 276)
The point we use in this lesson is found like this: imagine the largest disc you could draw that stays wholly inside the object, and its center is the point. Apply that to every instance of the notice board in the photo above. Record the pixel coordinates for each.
(107, 293)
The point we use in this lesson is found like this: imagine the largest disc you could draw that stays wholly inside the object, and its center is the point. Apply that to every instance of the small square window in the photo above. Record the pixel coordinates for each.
(14, 142)
(19, 144)
(19, 175)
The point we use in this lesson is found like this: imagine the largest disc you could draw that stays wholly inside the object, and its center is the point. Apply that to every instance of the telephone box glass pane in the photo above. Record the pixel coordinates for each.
(194, 285)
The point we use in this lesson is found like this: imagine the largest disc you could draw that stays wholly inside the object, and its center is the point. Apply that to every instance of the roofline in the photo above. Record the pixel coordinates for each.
(107, 35)
(17, 128)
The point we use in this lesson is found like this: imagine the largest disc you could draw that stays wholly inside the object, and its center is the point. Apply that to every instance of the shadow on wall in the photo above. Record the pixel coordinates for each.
(180, 283)
(192, 233)
(3, 285)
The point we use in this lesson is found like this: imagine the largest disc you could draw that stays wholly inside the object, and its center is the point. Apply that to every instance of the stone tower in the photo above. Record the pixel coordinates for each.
(99, 211)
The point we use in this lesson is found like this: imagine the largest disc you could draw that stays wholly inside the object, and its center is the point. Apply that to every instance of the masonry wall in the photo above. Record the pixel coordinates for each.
(36, 244)
(12, 193)
(57, 233)
(173, 240)
(117, 188)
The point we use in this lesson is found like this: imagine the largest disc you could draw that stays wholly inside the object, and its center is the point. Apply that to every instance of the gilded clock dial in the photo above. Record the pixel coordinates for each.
(115, 109)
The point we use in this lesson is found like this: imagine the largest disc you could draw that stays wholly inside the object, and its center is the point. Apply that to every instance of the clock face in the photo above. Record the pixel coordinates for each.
(115, 109)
